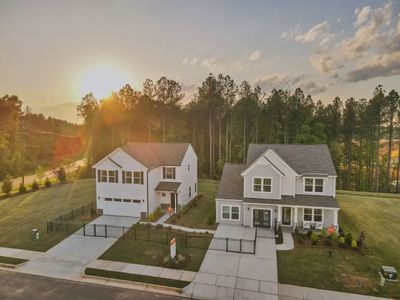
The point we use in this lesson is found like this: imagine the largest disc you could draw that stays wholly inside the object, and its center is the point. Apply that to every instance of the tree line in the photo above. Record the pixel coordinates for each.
(28, 140)
(223, 117)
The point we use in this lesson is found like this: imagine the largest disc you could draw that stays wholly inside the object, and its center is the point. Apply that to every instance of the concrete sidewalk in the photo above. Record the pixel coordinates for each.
(137, 269)
(288, 243)
(229, 275)
(19, 253)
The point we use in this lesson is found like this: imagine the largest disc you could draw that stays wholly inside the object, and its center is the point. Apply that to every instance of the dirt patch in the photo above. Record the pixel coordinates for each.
(352, 280)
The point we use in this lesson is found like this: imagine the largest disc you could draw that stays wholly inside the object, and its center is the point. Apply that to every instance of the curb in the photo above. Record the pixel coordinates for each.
(135, 285)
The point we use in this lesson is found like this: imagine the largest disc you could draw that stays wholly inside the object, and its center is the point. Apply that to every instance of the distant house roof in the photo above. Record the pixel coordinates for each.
(165, 186)
(153, 155)
(231, 187)
(304, 159)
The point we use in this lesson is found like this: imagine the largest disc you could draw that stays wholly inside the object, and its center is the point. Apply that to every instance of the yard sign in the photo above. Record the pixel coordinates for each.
(172, 247)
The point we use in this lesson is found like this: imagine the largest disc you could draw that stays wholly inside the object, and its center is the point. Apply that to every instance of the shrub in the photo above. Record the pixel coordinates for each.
(309, 233)
(342, 242)
(361, 239)
(35, 185)
(314, 238)
(324, 233)
(47, 183)
(334, 236)
(6, 187)
(62, 175)
(211, 220)
(354, 245)
(296, 230)
(22, 188)
(348, 238)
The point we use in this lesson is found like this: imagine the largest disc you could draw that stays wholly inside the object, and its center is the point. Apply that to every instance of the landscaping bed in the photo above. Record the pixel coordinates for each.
(136, 278)
(155, 216)
(149, 245)
(349, 269)
(200, 212)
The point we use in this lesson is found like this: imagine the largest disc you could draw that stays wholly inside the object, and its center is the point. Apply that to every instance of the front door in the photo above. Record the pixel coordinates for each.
(286, 216)
(173, 201)
(262, 218)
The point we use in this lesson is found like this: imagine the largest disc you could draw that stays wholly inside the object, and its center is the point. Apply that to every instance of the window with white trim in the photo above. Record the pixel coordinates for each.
(168, 172)
(138, 177)
(103, 176)
(312, 214)
(262, 184)
(128, 176)
(313, 185)
(113, 176)
(230, 212)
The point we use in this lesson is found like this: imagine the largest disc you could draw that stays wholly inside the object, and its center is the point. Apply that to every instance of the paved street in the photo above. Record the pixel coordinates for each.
(15, 285)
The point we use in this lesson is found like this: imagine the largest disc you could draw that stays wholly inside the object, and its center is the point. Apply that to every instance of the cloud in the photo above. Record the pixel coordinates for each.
(362, 15)
(316, 32)
(285, 82)
(339, 20)
(190, 61)
(254, 56)
(217, 66)
(292, 33)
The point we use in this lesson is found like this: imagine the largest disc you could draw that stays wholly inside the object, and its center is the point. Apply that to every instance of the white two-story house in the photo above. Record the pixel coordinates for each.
(280, 184)
(135, 179)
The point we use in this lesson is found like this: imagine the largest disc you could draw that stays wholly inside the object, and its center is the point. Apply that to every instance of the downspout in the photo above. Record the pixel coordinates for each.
(147, 191)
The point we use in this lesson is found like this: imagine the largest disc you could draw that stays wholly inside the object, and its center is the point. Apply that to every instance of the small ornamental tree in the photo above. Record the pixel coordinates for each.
(348, 238)
(6, 187)
(342, 242)
(314, 238)
(62, 175)
(354, 245)
(361, 239)
(334, 236)
(22, 188)
(35, 185)
(47, 183)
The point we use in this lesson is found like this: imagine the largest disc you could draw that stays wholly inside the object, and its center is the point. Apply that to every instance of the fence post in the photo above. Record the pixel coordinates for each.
(67, 227)
(123, 232)
(226, 245)
(83, 210)
(84, 229)
(135, 233)
(166, 236)
(94, 230)
(105, 229)
(148, 234)
(254, 249)
(240, 246)
(186, 239)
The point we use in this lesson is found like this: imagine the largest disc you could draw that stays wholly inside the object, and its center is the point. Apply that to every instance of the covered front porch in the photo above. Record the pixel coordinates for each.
(168, 193)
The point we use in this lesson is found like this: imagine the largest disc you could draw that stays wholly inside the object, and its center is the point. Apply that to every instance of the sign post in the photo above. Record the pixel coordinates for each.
(172, 248)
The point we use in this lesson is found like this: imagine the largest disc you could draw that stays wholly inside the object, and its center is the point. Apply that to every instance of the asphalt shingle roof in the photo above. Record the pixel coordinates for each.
(300, 200)
(167, 186)
(304, 159)
(153, 155)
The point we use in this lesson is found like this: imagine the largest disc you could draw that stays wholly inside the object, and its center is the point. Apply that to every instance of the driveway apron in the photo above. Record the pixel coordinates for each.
(229, 275)
(69, 258)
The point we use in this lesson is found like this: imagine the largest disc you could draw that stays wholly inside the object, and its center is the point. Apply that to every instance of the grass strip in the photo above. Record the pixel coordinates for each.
(11, 260)
(136, 278)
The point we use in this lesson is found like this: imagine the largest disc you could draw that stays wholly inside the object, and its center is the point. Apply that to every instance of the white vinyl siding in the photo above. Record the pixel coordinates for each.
(261, 184)
(313, 185)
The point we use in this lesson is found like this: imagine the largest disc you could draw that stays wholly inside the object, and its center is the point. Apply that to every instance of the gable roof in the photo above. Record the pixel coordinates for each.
(304, 159)
(153, 155)
(231, 184)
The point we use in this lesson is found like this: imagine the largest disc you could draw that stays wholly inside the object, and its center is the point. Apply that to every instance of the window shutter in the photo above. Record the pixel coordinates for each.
(116, 176)
(98, 176)
(141, 178)
(173, 173)
(123, 176)
(163, 172)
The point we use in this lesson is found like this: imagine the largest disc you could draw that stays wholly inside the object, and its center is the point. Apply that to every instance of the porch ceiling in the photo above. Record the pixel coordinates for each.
(164, 186)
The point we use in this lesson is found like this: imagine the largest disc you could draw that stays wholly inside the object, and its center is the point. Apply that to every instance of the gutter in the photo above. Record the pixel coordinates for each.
(147, 192)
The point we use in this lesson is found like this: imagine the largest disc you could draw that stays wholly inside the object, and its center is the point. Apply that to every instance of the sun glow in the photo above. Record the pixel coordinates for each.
(101, 80)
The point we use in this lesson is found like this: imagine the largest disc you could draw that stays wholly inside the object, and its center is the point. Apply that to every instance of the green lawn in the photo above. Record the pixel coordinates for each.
(347, 271)
(202, 210)
(144, 252)
(11, 260)
(136, 278)
(20, 214)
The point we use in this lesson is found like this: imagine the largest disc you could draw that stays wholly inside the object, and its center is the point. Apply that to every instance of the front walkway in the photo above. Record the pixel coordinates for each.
(19, 253)
(288, 243)
(228, 275)
(69, 258)
(137, 269)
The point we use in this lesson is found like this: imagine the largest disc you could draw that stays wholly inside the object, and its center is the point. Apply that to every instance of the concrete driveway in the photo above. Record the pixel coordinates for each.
(69, 258)
(228, 275)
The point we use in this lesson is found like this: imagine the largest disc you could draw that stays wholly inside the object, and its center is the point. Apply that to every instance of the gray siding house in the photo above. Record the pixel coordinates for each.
(280, 184)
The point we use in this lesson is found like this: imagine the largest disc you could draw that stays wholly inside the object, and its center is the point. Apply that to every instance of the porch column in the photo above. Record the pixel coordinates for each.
(296, 213)
(335, 218)
(279, 219)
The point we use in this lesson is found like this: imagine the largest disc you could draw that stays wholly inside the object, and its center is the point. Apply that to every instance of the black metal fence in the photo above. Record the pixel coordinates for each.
(233, 245)
(65, 222)
(147, 233)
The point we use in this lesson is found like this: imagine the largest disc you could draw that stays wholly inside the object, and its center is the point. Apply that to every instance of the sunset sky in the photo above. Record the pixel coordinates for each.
(53, 52)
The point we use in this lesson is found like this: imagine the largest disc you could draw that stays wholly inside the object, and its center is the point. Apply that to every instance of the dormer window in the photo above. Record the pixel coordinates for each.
(313, 185)
(261, 184)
